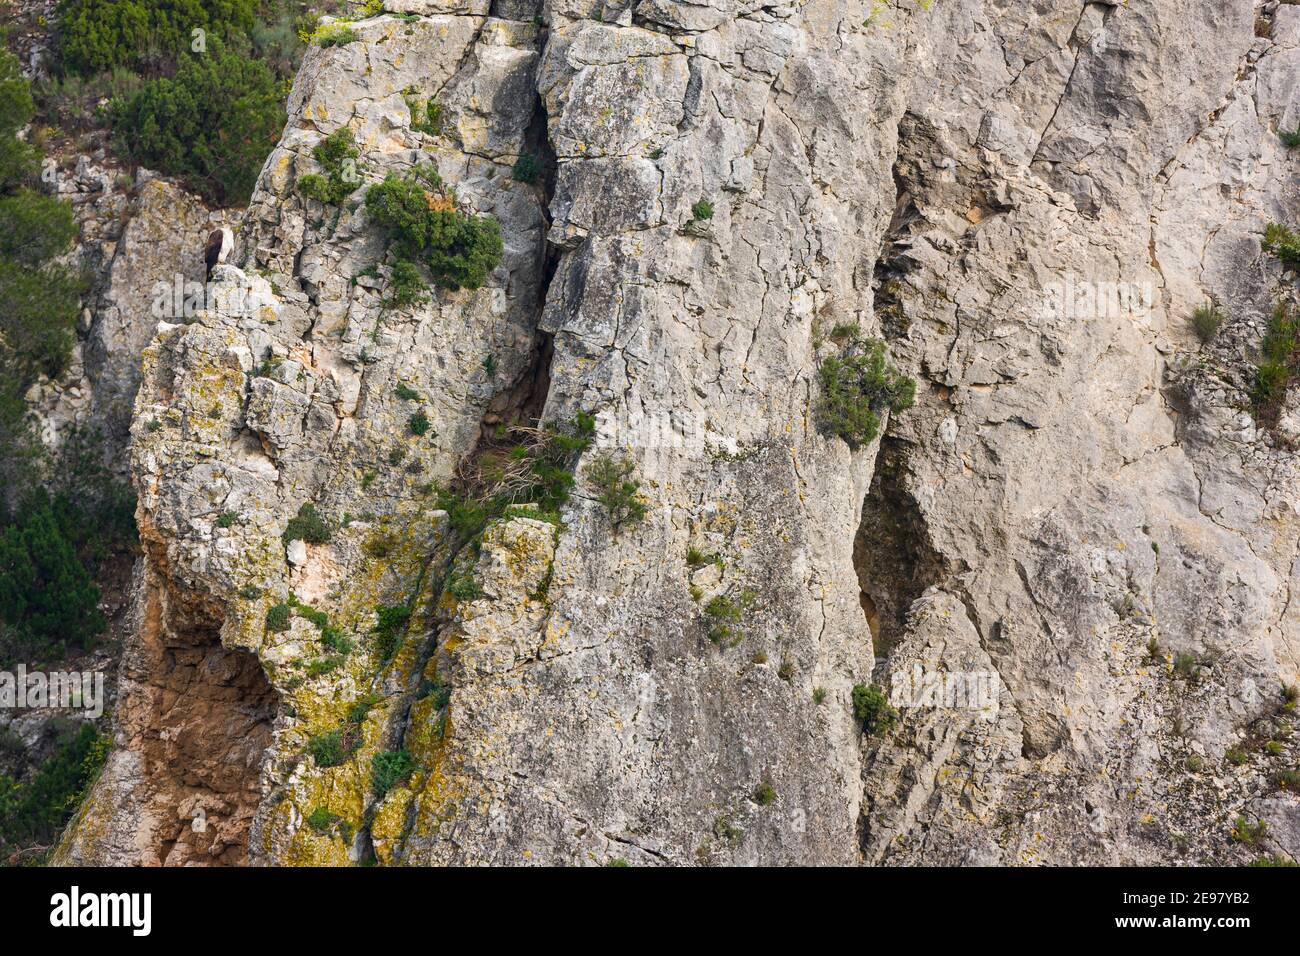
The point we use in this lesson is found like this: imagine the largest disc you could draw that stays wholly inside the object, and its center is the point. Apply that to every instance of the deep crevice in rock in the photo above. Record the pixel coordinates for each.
(892, 552)
(201, 721)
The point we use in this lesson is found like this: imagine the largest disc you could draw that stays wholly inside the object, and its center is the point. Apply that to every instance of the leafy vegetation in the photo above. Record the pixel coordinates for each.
(702, 210)
(388, 769)
(307, 526)
(525, 169)
(612, 477)
(1275, 368)
(764, 794)
(426, 226)
(337, 155)
(872, 709)
(97, 35)
(1251, 834)
(33, 812)
(857, 386)
(1206, 321)
(418, 423)
(212, 124)
(279, 617)
(1283, 242)
(390, 629)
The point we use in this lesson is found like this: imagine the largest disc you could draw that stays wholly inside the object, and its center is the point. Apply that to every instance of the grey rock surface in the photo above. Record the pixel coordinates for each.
(1025, 200)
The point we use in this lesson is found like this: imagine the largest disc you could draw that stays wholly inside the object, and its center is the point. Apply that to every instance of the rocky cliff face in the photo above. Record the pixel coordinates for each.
(1026, 200)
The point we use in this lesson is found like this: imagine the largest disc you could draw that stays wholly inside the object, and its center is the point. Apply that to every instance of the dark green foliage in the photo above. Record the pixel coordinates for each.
(1236, 756)
(279, 617)
(1290, 137)
(47, 598)
(323, 821)
(227, 519)
(612, 477)
(1206, 321)
(723, 614)
(337, 155)
(872, 710)
(390, 629)
(856, 387)
(18, 161)
(34, 812)
(1282, 242)
(426, 226)
(212, 125)
(307, 526)
(525, 168)
(1279, 356)
(39, 300)
(1274, 861)
(764, 794)
(389, 769)
(34, 228)
(96, 35)
(463, 587)
(324, 665)
(406, 393)
(418, 423)
(336, 640)
(702, 210)
(333, 748)
(406, 284)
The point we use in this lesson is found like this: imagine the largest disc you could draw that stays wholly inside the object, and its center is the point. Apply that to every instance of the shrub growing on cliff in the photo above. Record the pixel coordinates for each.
(1282, 242)
(856, 387)
(871, 708)
(612, 477)
(337, 155)
(307, 526)
(426, 226)
(212, 125)
(1279, 356)
(389, 769)
(1206, 321)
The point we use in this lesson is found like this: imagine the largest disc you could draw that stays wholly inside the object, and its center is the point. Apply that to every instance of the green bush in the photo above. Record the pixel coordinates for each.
(34, 812)
(1206, 321)
(871, 708)
(463, 587)
(1279, 355)
(856, 387)
(212, 125)
(418, 423)
(334, 34)
(390, 629)
(1290, 137)
(307, 526)
(1282, 242)
(612, 477)
(279, 617)
(764, 794)
(333, 748)
(702, 210)
(1251, 834)
(337, 155)
(525, 169)
(18, 161)
(388, 769)
(425, 226)
(47, 598)
(97, 35)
